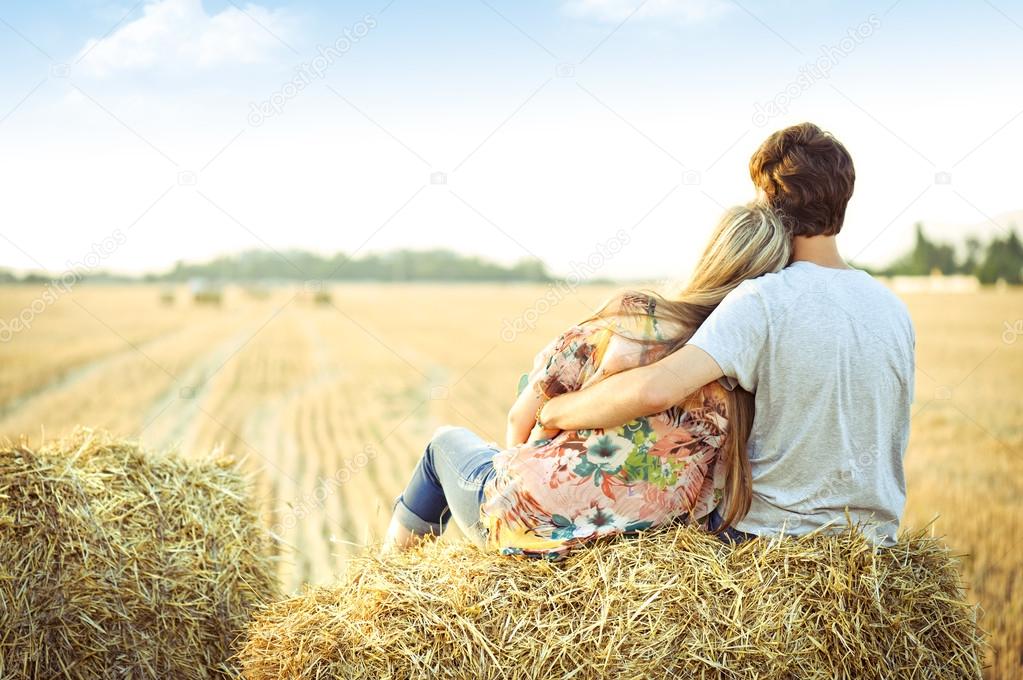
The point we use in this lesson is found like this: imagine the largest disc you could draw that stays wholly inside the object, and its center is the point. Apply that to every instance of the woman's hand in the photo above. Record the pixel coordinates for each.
(545, 431)
(522, 416)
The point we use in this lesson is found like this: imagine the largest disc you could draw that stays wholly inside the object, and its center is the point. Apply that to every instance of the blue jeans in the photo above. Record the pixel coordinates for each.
(730, 535)
(448, 483)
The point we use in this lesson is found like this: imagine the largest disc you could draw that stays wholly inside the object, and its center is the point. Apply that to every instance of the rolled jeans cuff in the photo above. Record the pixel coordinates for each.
(413, 522)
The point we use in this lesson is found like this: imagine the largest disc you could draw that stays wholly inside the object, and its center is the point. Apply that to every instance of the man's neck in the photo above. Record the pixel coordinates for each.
(819, 250)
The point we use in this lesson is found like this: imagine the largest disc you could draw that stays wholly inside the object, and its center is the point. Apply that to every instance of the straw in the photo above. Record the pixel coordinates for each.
(116, 563)
(670, 604)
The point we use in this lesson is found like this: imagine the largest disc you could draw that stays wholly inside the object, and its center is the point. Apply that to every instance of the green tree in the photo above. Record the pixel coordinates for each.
(1003, 260)
(925, 257)
(973, 251)
(399, 265)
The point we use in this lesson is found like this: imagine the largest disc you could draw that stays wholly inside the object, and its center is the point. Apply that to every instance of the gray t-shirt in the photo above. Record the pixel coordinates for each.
(829, 355)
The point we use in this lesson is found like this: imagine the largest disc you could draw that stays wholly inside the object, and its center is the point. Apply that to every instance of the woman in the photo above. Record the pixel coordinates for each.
(551, 491)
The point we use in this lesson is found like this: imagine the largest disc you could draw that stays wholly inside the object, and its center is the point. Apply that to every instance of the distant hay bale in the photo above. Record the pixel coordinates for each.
(206, 292)
(315, 294)
(668, 604)
(115, 563)
(257, 291)
(208, 297)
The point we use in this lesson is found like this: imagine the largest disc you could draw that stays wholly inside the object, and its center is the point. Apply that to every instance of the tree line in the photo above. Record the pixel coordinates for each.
(1000, 259)
(262, 265)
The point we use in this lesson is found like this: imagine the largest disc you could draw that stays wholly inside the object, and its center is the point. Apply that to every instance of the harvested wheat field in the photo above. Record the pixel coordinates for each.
(676, 603)
(329, 404)
(119, 563)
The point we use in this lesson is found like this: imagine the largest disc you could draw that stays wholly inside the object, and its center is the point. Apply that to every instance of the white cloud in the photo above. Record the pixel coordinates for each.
(683, 11)
(179, 36)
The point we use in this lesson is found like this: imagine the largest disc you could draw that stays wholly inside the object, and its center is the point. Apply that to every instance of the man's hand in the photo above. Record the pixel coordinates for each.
(628, 395)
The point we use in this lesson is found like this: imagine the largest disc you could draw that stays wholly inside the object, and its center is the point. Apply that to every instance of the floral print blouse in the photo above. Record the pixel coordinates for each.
(549, 495)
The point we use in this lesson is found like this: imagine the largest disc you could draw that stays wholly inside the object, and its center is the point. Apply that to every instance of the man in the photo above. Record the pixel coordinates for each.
(827, 351)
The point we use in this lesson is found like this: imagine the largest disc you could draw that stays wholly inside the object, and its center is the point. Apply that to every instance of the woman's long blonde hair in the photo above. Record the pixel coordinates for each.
(748, 241)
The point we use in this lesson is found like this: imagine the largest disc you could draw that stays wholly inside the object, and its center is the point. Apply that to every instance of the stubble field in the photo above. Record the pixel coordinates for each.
(329, 404)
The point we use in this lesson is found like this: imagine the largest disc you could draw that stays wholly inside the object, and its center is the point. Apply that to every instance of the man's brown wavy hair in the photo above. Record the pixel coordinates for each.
(807, 176)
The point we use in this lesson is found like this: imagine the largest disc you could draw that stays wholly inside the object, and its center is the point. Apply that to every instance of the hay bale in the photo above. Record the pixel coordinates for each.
(668, 604)
(115, 563)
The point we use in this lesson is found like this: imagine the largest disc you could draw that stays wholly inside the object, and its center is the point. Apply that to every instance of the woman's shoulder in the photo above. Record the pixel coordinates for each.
(628, 303)
(636, 315)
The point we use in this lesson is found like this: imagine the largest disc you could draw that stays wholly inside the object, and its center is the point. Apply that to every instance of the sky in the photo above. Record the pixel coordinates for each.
(604, 137)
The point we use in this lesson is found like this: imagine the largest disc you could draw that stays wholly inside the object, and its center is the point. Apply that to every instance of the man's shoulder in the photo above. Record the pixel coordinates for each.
(782, 288)
(768, 287)
(872, 293)
(885, 293)
(802, 277)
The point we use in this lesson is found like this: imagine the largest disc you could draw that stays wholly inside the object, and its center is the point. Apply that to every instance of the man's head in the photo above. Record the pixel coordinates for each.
(807, 176)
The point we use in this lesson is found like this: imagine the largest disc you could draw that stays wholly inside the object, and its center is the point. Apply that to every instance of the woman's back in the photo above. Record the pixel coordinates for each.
(551, 494)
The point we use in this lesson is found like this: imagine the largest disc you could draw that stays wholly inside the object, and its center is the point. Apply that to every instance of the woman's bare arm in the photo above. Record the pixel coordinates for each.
(628, 395)
(522, 416)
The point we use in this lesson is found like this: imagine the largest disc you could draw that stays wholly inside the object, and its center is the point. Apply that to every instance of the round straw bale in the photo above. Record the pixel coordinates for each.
(119, 564)
(670, 604)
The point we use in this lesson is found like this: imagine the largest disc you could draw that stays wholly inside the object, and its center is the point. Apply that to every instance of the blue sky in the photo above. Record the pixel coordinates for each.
(555, 124)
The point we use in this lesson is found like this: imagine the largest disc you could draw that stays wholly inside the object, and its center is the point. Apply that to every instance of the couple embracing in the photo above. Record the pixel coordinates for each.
(770, 396)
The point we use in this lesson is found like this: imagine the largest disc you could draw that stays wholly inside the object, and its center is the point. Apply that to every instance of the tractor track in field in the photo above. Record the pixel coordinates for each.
(284, 426)
(315, 431)
(78, 373)
(170, 421)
